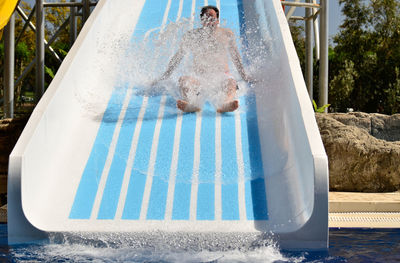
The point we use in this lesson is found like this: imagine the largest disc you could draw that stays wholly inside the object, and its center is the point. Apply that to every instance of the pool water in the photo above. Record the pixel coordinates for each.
(346, 245)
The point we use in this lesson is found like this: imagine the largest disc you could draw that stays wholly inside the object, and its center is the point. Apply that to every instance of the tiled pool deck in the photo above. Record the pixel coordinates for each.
(369, 210)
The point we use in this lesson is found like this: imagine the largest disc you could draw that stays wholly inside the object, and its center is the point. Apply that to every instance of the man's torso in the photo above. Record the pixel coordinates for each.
(210, 49)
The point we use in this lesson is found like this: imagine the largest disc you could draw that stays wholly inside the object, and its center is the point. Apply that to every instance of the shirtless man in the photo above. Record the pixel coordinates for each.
(210, 46)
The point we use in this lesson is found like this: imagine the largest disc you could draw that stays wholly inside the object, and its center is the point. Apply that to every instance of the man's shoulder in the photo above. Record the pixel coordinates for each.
(226, 31)
(192, 33)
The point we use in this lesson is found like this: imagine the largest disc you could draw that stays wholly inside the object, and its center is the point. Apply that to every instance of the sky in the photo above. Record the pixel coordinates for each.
(335, 16)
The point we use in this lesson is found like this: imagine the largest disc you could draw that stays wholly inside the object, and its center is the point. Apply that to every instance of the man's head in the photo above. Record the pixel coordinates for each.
(209, 16)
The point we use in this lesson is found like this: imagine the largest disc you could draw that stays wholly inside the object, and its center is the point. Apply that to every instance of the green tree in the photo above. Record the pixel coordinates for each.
(25, 48)
(367, 53)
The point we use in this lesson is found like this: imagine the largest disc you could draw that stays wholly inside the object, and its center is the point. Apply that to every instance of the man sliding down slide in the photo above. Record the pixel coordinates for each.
(209, 46)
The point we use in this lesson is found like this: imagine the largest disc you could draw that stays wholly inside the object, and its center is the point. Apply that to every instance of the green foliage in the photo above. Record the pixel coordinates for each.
(49, 71)
(22, 52)
(364, 71)
(364, 61)
(320, 109)
(63, 52)
(341, 86)
(25, 48)
(297, 32)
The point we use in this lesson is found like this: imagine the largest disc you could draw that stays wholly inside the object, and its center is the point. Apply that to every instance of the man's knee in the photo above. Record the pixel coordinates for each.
(231, 85)
(187, 81)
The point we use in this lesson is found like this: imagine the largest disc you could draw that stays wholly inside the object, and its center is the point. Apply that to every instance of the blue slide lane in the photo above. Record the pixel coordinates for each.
(181, 204)
(150, 17)
(159, 189)
(206, 187)
(229, 176)
(255, 195)
(255, 191)
(86, 193)
(113, 186)
(138, 177)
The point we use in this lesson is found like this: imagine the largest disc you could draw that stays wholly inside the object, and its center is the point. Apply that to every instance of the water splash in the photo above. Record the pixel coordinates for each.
(116, 247)
(125, 63)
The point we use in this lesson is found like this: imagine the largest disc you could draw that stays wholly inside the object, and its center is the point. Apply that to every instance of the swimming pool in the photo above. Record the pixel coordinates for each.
(346, 245)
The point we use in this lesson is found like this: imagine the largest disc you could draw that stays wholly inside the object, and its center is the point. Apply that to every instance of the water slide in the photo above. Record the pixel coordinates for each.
(102, 155)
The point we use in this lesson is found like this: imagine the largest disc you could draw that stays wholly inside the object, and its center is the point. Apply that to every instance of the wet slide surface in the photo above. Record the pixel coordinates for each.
(151, 162)
(99, 158)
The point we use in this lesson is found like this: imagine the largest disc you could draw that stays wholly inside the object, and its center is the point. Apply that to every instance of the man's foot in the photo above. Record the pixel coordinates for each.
(186, 107)
(229, 106)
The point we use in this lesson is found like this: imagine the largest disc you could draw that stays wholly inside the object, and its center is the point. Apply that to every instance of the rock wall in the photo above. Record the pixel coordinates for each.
(385, 127)
(363, 151)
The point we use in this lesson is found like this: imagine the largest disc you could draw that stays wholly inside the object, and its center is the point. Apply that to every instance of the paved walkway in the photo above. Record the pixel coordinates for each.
(370, 210)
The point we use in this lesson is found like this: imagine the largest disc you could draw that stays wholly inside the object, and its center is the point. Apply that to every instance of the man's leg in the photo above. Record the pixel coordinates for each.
(187, 85)
(230, 103)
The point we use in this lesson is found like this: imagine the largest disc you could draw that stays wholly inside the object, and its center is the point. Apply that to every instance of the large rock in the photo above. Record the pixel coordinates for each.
(358, 161)
(386, 127)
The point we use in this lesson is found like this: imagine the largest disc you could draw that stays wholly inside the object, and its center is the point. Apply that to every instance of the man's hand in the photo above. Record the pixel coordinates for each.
(154, 82)
(250, 80)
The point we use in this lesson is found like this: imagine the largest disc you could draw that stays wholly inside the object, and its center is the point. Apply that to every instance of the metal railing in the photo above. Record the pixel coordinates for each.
(312, 13)
(41, 44)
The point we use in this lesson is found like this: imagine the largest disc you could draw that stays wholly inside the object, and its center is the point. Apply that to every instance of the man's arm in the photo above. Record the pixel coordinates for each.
(237, 60)
(173, 63)
(175, 60)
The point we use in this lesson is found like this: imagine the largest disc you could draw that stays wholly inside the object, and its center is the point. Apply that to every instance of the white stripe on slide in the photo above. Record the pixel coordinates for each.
(164, 21)
(196, 165)
(192, 14)
(154, 146)
(174, 166)
(219, 7)
(240, 163)
(152, 161)
(218, 164)
(205, 2)
(131, 158)
(110, 156)
(179, 14)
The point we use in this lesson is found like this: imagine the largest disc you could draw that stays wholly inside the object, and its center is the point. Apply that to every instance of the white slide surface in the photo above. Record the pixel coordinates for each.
(97, 156)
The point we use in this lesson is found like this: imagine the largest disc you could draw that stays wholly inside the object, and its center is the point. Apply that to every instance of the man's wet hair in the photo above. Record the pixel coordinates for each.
(205, 8)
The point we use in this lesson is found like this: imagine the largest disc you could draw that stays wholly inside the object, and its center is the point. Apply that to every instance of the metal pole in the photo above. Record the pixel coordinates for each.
(85, 10)
(309, 51)
(62, 4)
(30, 24)
(323, 62)
(291, 10)
(27, 22)
(39, 50)
(33, 62)
(316, 31)
(9, 41)
(72, 25)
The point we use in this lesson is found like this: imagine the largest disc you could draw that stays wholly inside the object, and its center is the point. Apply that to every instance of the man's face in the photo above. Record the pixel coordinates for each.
(210, 19)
